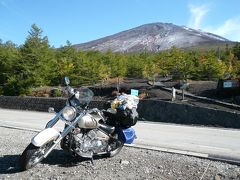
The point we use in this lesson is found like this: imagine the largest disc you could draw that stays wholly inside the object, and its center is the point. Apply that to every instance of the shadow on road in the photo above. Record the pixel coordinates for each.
(9, 164)
(62, 159)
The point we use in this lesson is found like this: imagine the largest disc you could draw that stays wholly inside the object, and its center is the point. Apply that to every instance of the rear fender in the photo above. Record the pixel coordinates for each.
(45, 136)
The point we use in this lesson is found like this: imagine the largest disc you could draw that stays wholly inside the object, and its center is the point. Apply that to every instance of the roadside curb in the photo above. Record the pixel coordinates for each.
(20, 128)
(169, 150)
(228, 159)
(214, 157)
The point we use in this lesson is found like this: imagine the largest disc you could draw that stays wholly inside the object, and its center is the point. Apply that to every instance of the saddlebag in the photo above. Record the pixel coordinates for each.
(127, 117)
(125, 107)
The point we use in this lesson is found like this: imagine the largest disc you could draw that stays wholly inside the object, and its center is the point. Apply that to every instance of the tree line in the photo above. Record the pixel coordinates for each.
(35, 63)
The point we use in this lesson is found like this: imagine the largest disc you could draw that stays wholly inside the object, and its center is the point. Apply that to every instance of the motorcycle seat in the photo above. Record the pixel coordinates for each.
(106, 128)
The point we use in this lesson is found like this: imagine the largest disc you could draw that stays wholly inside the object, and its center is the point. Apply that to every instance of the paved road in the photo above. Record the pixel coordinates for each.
(216, 143)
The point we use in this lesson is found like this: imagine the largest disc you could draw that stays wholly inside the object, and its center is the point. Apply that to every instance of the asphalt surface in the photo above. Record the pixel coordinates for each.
(207, 142)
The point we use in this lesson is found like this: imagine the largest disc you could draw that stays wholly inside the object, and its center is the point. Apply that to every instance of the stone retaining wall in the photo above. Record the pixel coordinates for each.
(150, 110)
(162, 111)
(38, 103)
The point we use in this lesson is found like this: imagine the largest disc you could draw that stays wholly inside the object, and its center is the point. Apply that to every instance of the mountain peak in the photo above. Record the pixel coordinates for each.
(152, 37)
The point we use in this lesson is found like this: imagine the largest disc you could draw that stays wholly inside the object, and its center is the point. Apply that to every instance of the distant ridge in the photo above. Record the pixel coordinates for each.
(152, 37)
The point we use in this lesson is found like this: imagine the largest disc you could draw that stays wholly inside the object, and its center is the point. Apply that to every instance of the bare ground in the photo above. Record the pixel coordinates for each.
(200, 88)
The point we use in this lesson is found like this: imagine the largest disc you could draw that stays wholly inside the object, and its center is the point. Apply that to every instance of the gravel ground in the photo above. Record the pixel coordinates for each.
(131, 163)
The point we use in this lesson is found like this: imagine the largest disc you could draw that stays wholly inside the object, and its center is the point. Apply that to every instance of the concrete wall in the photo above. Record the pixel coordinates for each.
(151, 110)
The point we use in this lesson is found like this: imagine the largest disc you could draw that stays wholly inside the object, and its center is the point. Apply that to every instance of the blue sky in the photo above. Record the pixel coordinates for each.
(83, 20)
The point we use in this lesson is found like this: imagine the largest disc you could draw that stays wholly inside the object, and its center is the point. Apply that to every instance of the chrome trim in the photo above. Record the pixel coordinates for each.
(53, 121)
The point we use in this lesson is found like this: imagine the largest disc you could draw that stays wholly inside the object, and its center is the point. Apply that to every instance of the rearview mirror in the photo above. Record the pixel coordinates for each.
(67, 81)
(51, 110)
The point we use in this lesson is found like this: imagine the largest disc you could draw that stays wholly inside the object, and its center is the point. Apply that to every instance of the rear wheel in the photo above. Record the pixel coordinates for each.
(115, 146)
(32, 155)
(115, 152)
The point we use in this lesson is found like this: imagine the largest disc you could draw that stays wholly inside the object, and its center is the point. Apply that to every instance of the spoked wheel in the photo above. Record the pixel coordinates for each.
(32, 155)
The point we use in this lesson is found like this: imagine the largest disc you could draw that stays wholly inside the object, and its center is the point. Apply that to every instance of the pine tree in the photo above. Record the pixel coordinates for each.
(236, 50)
(211, 67)
(9, 55)
(35, 56)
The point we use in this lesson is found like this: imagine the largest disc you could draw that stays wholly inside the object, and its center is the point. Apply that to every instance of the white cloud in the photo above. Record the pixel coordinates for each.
(229, 29)
(197, 15)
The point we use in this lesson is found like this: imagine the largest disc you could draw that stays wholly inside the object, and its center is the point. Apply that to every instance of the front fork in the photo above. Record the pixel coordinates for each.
(65, 132)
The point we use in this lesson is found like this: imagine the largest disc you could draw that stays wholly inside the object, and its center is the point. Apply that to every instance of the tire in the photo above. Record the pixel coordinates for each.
(32, 155)
(117, 147)
(115, 152)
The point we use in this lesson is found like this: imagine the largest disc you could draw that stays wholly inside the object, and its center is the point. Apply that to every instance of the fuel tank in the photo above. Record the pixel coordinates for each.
(89, 121)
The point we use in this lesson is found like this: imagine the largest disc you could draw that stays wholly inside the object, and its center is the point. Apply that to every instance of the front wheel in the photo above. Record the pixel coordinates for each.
(32, 155)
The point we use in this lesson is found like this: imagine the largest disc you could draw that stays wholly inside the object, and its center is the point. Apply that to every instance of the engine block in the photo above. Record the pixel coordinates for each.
(90, 143)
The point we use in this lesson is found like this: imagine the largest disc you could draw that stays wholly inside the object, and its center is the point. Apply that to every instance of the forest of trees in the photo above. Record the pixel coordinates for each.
(35, 63)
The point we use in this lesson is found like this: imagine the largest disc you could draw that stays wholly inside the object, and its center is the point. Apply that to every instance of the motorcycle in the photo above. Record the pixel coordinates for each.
(87, 132)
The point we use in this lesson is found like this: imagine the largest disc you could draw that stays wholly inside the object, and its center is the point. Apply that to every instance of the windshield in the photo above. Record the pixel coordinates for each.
(84, 95)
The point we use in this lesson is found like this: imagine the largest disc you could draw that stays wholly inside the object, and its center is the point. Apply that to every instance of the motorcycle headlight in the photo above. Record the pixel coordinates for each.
(69, 113)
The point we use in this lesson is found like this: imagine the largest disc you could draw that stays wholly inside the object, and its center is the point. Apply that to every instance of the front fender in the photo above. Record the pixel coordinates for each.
(45, 136)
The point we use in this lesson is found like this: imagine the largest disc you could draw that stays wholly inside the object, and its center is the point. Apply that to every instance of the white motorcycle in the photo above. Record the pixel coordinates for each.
(87, 132)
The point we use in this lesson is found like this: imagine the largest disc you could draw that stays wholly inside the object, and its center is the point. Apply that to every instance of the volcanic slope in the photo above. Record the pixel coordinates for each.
(153, 37)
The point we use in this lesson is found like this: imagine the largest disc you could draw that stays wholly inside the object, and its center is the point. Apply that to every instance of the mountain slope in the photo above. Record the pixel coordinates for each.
(152, 37)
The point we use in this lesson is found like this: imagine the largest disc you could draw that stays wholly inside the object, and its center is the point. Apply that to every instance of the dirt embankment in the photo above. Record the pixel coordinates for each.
(200, 88)
(206, 89)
